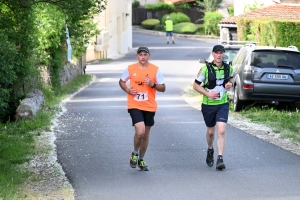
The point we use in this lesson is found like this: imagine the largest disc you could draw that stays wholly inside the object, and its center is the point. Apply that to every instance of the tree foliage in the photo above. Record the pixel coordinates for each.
(208, 5)
(33, 33)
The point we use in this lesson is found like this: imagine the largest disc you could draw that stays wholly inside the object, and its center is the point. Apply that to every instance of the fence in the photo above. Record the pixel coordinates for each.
(141, 14)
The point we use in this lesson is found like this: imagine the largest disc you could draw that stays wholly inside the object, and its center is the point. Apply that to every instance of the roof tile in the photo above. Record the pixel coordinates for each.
(276, 12)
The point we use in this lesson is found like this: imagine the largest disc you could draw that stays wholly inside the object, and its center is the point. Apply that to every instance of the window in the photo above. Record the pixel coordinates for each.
(274, 59)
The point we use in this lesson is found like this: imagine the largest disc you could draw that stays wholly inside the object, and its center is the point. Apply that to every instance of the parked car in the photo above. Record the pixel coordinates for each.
(230, 52)
(265, 74)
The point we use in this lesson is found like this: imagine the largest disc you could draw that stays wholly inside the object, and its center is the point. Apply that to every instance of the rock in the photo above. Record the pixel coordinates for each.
(30, 105)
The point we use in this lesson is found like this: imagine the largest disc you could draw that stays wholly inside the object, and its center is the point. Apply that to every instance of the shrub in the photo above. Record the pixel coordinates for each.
(178, 17)
(185, 28)
(182, 6)
(150, 23)
(159, 27)
(160, 6)
(200, 30)
(231, 11)
(211, 21)
(135, 4)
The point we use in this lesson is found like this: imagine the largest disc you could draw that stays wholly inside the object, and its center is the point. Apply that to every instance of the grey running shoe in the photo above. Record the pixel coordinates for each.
(133, 160)
(220, 164)
(167, 42)
(142, 165)
(210, 157)
(173, 42)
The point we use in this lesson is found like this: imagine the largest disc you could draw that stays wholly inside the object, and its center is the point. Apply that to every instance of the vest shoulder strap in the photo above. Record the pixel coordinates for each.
(212, 74)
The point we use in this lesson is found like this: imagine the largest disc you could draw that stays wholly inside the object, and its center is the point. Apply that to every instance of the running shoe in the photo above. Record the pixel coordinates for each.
(173, 42)
(220, 164)
(142, 165)
(133, 160)
(210, 157)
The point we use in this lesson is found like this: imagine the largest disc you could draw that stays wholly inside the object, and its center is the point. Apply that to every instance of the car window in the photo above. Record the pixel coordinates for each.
(274, 59)
(230, 54)
(240, 56)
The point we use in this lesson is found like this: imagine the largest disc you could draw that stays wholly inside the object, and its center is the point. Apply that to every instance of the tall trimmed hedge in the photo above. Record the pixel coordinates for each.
(270, 32)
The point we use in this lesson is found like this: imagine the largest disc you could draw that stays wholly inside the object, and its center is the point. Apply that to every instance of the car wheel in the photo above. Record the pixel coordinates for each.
(237, 103)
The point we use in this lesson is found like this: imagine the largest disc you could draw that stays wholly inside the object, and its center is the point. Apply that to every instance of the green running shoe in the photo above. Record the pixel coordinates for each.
(142, 165)
(133, 160)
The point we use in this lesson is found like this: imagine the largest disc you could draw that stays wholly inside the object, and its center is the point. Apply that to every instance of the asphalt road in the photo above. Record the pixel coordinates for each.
(95, 138)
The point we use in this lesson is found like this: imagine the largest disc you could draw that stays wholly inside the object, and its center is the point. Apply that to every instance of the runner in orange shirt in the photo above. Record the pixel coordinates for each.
(145, 79)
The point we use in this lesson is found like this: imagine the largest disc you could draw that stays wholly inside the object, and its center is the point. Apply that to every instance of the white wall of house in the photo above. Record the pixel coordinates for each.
(239, 5)
(115, 22)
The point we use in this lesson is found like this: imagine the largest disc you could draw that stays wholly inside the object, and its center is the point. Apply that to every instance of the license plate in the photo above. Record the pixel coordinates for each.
(277, 76)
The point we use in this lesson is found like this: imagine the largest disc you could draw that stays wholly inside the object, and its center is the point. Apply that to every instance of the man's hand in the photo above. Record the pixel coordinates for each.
(228, 85)
(132, 91)
(213, 95)
(147, 81)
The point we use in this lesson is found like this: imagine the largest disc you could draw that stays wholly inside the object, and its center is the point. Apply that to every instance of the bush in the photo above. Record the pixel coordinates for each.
(150, 23)
(185, 28)
(182, 6)
(135, 4)
(159, 27)
(231, 11)
(200, 30)
(160, 6)
(178, 17)
(211, 21)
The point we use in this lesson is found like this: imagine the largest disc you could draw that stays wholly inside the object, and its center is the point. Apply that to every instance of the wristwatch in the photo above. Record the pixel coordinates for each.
(154, 85)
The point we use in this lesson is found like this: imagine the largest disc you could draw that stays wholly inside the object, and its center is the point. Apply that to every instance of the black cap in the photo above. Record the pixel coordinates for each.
(143, 49)
(218, 48)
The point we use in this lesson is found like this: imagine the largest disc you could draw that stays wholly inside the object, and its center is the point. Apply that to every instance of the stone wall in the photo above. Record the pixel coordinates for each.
(69, 72)
(35, 99)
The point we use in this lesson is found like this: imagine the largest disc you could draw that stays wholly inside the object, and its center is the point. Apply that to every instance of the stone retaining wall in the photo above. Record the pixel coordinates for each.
(35, 99)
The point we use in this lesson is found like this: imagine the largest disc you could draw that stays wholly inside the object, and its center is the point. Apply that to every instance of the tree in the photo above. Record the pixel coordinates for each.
(208, 5)
(36, 33)
(254, 6)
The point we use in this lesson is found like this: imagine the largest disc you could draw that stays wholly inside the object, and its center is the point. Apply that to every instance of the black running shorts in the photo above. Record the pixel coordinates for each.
(215, 113)
(141, 116)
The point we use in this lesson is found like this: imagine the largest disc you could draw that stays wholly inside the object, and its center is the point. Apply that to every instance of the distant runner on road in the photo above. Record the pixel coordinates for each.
(169, 29)
(145, 79)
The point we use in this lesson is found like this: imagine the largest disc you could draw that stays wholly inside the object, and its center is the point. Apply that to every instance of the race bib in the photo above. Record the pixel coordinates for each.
(220, 90)
(141, 96)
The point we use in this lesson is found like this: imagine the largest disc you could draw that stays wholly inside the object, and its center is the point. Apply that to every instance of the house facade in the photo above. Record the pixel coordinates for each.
(115, 38)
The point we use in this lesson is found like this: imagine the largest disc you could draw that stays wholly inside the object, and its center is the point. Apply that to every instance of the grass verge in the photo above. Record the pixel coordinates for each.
(284, 121)
(17, 139)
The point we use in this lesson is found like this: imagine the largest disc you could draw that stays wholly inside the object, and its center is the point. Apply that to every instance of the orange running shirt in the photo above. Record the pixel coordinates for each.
(145, 99)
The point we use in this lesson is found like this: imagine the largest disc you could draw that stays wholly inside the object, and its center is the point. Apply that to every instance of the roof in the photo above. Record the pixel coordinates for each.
(275, 12)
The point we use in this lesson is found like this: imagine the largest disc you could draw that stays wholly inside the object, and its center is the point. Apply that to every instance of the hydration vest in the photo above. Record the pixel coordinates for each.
(212, 80)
